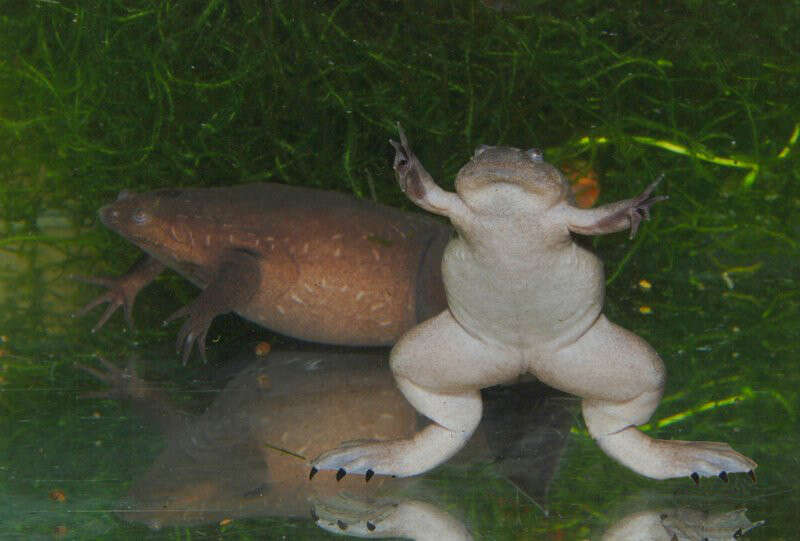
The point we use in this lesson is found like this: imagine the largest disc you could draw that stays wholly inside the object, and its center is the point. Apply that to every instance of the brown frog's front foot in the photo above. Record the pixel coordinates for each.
(640, 205)
(122, 290)
(120, 293)
(123, 384)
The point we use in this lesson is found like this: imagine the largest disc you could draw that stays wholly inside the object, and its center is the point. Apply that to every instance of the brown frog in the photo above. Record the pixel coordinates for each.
(313, 264)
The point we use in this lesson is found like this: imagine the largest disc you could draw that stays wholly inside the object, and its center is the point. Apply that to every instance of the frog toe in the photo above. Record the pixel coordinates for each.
(360, 457)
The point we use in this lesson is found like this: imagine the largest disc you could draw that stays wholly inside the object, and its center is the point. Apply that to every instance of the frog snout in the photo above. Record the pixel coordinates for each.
(109, 215)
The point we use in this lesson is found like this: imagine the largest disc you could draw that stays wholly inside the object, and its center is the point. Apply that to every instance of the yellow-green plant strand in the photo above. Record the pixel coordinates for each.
(685, 151)
(792, 140)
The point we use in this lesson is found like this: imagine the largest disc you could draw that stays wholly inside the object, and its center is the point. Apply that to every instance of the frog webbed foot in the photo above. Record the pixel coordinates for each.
(458, 413)
(367, 457)
(665, 459)
(407, 519)
(348, 515)
(640, 205)
(697, 459)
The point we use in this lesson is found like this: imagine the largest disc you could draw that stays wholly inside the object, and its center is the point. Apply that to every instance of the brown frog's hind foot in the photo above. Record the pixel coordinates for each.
(122, 290)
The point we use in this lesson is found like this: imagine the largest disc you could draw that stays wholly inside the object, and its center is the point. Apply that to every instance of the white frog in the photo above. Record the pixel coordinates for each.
(524, 298)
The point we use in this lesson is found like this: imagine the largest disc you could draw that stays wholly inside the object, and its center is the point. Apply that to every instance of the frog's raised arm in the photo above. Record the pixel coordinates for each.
(613, 217)
(418, 184)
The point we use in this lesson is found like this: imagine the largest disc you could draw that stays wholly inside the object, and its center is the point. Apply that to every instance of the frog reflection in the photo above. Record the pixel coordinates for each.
(416, 520)
(245, 456)
(681, 524)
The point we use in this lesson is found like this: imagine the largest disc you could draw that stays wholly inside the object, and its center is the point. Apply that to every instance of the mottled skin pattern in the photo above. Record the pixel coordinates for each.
(524, 298)
(313, 264)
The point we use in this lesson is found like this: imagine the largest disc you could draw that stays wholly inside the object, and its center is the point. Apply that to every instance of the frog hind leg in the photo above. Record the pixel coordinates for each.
(440, 368)
(622, 390)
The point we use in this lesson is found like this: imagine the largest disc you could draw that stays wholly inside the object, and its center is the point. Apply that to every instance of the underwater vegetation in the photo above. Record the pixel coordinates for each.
(101, 96)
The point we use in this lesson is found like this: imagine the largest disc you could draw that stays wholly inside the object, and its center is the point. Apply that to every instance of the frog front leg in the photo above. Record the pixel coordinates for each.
(440, 368)
(236, 280)
(621, 380)
(122, 290)
(418, 184)
(612, 217)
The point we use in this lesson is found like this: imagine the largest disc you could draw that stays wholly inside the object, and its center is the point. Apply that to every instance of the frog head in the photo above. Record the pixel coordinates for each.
(508, 180)
(152, 220)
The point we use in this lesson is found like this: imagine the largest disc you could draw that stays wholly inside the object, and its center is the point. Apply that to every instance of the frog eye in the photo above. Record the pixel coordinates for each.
(534, 154)
(140, 217)
(480, 150)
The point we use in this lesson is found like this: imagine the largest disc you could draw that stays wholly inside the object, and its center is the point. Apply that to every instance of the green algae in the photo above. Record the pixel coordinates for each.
(98, 96)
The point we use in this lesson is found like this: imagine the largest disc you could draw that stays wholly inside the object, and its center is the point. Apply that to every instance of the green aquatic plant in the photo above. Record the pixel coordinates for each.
(99, 96)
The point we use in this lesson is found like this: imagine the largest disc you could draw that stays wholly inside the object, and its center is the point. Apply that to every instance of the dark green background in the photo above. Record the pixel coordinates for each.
(98, 96)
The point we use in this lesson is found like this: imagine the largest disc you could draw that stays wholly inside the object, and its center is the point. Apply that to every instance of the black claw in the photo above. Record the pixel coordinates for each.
(369, 475)
(257, 492)
(342, 525)
(314, 515)
(341, 473)
(738, 533)
(312, 473)
(696, 478)
(752, 475)
(370, 526)
(723, 475)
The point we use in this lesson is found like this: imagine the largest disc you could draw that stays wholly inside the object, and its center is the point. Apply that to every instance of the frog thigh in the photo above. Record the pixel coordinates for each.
(607, 363)
(440, 354)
